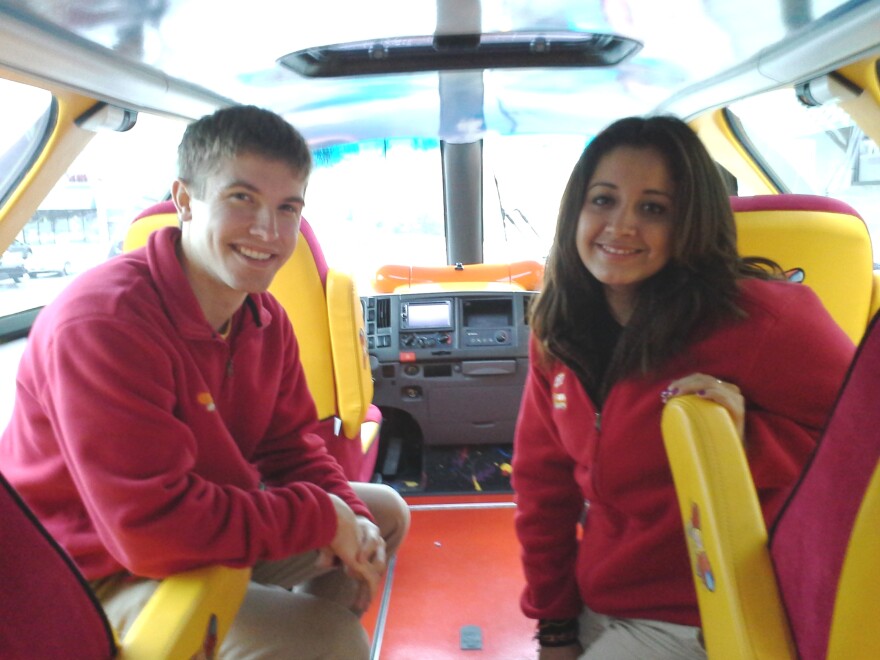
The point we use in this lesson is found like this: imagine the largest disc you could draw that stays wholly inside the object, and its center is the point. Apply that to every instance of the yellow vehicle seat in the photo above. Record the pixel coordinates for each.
(825, 241)
(812, 591)
(47, 609)
(327, 316)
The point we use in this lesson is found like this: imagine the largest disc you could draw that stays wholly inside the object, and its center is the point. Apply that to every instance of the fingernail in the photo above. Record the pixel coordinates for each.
(668, 393)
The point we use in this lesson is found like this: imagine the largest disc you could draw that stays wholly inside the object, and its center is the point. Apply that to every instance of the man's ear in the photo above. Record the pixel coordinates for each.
(182, 199)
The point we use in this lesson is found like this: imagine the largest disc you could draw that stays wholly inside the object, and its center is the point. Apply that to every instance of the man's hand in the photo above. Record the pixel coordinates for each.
(361, 549)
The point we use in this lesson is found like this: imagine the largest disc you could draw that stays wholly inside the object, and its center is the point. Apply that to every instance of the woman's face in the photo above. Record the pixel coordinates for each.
(624, 231)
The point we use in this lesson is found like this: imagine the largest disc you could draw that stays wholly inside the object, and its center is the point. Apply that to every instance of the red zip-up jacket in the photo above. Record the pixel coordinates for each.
(789, 359)
(145, 442)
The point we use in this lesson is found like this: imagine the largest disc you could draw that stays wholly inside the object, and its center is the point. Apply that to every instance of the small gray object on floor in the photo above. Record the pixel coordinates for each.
(471, 638)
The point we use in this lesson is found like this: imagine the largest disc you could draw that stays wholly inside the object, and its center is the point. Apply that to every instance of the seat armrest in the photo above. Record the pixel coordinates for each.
(188, 615)
(740, 605)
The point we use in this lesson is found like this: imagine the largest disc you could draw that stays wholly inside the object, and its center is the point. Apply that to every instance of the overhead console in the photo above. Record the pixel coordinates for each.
(455, 363)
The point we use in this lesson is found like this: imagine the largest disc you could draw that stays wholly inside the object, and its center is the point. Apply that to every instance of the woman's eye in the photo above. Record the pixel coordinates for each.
(600, 200)
(654, 208)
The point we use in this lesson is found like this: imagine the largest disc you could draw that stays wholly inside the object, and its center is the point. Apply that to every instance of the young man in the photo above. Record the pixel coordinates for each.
(162, 416)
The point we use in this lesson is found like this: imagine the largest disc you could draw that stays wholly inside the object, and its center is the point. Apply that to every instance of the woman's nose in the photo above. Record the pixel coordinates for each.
(622, 221)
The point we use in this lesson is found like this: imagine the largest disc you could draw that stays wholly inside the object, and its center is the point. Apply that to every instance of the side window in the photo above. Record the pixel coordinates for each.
(814, 150)
(81, 222)
(27, 117)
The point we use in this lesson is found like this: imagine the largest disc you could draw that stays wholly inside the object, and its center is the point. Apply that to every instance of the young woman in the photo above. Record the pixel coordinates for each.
(645, 298)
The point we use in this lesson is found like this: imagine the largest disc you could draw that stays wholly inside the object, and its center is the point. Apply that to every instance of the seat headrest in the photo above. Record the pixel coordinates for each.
(824, 239)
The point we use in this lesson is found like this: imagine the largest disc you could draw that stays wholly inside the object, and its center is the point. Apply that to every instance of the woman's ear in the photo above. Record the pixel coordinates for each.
(181, 197)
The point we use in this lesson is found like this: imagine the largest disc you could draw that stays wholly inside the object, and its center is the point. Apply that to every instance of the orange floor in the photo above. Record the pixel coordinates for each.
(459, 566)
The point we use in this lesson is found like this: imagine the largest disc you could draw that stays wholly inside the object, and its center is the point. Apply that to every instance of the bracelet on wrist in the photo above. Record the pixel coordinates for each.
(557, 632)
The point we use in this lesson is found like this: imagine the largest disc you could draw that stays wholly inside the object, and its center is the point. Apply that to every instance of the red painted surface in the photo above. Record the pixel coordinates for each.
(457, 567)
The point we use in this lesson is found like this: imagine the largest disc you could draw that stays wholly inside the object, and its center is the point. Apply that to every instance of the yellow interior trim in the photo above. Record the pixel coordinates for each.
(715, 133)
(865, 110)
(65, 142)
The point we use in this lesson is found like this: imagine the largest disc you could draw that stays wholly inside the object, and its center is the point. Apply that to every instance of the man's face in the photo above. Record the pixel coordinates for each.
(243, 229)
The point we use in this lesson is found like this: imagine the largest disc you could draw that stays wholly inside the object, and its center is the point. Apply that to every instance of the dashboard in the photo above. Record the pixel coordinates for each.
(452, 363)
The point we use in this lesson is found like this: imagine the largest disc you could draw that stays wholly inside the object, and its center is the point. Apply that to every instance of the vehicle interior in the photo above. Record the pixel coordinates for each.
(443, 133)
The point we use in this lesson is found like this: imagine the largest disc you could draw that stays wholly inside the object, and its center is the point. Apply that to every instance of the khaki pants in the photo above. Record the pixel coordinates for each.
(609, 638)
(313, 621)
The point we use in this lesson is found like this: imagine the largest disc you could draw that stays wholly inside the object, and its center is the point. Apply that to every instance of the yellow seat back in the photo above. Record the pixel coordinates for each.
(299, 287)
(351, 361)
(740, 606)
(823, 237)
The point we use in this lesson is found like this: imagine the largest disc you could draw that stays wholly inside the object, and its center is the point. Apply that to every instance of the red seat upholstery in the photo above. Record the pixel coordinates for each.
(46, 608)
(810, 539)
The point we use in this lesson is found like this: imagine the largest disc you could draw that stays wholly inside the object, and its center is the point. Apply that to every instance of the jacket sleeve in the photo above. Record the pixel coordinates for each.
(110, 396)
(794, 381)
(290, 452)
(549, 506)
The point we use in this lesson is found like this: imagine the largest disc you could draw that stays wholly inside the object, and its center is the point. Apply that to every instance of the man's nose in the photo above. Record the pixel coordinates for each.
(265, 224)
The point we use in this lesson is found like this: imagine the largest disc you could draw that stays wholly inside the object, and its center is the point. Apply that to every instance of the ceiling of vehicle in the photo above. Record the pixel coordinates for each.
(228, 51)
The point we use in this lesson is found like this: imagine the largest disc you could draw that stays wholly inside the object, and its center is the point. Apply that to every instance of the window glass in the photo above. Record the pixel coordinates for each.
(524, 177)
(26, 116)
(815, 150)
(82, 220)
(378, 202)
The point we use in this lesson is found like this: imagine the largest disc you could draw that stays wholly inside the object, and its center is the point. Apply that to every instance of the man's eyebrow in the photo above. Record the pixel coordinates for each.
(244, 184)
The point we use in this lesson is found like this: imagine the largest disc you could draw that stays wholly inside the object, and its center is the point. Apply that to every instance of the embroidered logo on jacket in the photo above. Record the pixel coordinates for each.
(559, 400)
(206, 400)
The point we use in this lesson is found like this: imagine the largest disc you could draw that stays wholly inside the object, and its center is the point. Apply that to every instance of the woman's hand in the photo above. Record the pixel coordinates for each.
(713, 389)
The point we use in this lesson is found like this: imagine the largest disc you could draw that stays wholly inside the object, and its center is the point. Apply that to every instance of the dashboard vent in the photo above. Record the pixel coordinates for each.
(383, 313)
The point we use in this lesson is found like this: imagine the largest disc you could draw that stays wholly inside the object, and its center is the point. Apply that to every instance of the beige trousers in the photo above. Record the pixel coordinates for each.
(610, 638)
(292, 610)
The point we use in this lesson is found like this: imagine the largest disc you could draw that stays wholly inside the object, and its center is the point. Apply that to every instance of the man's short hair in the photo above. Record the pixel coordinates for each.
(232, 131)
